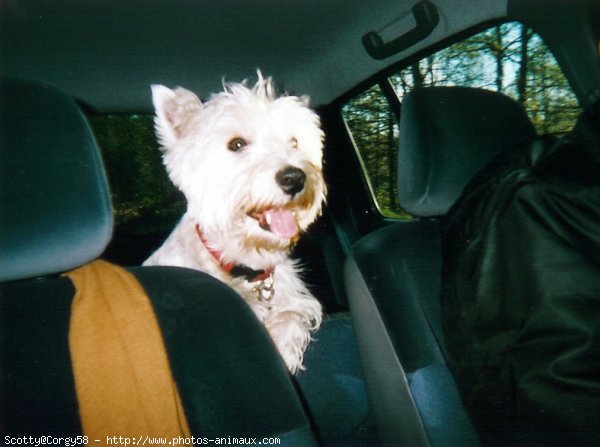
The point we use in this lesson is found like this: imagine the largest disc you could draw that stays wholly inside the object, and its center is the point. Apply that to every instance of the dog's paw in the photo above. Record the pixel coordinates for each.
(291, 336)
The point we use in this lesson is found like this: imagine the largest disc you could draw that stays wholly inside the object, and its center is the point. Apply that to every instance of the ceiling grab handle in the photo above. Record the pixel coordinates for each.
(426, 16)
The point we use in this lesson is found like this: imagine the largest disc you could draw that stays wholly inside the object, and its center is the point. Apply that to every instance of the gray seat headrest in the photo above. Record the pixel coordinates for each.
(55, 211)
(447, 134)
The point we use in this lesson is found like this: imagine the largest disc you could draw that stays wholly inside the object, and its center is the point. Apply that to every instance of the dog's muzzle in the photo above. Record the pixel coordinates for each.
(291, 180)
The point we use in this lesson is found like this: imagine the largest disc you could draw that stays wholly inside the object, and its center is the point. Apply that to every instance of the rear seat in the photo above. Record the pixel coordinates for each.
(393, 275)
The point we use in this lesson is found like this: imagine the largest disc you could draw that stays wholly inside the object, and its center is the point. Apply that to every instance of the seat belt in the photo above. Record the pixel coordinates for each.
(396, 415)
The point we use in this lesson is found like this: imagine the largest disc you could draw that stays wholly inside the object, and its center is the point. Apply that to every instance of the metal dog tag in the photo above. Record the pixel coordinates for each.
(264, 290)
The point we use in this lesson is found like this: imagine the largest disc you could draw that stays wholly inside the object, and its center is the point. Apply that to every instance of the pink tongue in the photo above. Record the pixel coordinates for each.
(283, 222)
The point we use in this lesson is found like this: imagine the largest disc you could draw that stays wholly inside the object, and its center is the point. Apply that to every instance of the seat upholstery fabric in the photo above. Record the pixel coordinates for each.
(230, 378)
(393, 275)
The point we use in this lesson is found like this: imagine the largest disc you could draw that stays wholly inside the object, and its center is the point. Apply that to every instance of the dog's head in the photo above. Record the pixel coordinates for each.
(248, 161)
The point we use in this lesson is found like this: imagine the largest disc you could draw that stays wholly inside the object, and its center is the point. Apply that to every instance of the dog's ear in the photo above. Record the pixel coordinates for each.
(174, 111)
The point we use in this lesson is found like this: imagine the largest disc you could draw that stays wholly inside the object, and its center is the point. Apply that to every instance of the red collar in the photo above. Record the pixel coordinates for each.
(232, 268)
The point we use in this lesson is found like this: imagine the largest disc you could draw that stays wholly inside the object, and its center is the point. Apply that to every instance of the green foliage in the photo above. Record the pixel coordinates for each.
(373, 125)
(507, 58)
(144, 199)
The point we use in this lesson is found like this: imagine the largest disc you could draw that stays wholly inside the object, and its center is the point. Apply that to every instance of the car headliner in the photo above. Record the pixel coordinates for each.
(107, 53)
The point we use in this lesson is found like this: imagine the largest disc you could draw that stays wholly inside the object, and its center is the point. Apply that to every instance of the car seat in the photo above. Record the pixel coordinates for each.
(393, 275)
(520, 292)
(55, 216)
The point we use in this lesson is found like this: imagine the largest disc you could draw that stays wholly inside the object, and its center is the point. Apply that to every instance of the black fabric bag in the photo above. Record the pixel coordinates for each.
(521, 292)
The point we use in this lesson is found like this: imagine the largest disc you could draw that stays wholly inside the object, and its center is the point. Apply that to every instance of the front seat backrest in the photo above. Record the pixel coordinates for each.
(393, 275)
(520, 292)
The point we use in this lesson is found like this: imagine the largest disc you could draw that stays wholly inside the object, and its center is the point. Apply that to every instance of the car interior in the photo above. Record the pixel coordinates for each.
(461, 156)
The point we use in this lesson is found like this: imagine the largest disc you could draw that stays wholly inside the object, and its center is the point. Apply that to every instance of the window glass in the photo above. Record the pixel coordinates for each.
(507, 58)
(374, 128)
(144, 199)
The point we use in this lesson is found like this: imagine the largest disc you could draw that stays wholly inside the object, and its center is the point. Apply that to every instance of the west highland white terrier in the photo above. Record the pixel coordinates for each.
(249, 163)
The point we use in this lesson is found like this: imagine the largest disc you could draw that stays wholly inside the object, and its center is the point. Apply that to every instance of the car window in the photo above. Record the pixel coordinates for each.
(508, 58)
(144, 199)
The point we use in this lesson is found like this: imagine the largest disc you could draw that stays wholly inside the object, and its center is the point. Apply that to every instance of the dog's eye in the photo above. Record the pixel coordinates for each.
(237, 143)
(294, 142)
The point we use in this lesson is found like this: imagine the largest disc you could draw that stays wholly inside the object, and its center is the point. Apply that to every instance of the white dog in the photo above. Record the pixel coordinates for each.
(249, 164)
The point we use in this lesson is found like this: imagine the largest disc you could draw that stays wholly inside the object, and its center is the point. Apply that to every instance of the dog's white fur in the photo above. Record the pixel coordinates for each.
(227, 189)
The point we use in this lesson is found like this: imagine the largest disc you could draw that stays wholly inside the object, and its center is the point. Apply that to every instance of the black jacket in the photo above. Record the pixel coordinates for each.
(521, 292)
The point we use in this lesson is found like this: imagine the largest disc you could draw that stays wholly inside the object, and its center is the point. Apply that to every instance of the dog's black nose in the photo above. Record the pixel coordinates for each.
(291, 180)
